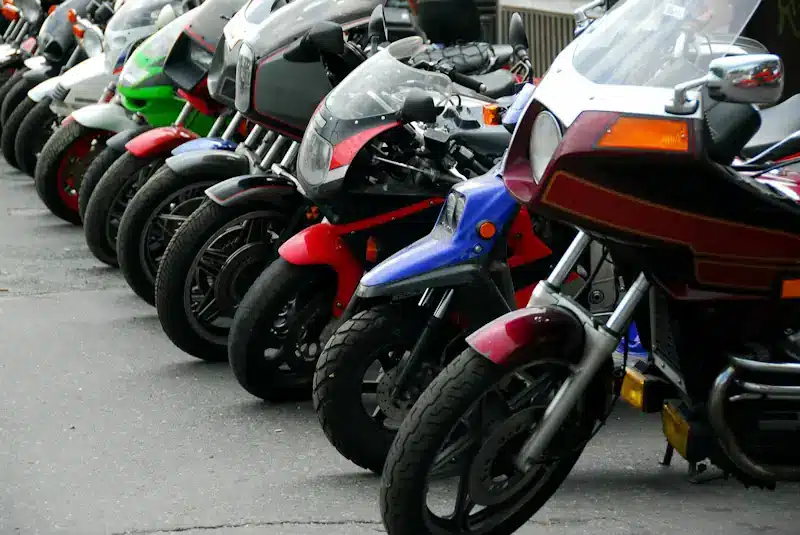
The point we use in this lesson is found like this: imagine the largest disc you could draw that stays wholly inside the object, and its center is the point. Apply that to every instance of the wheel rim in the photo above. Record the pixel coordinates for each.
(73, 165)
(200, 293)
(123, 197)
(480, 451)
(163, 222)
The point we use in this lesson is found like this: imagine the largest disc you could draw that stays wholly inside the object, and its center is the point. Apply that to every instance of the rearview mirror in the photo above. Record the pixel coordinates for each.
(418, 106)
(748, 79)
(376, 27)
(517, 37)
(165, 16)
(327, 37)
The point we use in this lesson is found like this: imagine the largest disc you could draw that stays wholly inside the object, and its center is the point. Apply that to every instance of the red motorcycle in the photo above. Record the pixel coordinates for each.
(640, 158)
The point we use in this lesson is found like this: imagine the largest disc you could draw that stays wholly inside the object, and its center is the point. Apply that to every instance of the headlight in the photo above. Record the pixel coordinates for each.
(92, 42)
(545, 137)
(200, 56)
(314, 157)
(132, 74)
(452, 211)
(244, 75)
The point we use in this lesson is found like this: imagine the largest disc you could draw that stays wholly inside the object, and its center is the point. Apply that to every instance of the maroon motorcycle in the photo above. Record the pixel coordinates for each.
(630, 137)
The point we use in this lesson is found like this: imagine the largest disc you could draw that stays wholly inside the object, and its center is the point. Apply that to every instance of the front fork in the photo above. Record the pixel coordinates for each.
(601, 340)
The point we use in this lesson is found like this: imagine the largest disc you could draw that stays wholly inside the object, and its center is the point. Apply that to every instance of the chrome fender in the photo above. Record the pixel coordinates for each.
(104, 116)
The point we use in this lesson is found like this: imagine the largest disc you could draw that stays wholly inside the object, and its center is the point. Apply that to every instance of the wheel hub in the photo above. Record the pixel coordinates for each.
(493, 477)
(237, 275)
(396, 408)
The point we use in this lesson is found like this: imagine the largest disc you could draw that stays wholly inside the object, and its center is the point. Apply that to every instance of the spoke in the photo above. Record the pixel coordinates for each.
(208, 310)
(212, 261)
(464, 504)
(519, 400)
(378, 416)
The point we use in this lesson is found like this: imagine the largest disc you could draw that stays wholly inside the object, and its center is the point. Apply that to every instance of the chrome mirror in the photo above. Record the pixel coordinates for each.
(582, 18)
(750, 79)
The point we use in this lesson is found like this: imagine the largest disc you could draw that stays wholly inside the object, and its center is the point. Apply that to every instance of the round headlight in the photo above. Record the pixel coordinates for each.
(545, 137)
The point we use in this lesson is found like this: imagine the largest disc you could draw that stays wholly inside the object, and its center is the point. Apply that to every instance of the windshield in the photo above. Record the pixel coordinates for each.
(380, 84)
(659, 43)
(134, 21)
(148, 59)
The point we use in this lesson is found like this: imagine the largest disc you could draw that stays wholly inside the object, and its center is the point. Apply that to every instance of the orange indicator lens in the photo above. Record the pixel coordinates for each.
(647, 133)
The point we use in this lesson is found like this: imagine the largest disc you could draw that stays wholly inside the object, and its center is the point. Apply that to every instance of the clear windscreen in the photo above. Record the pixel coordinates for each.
(155, 47)
(380, 84)
(657, 43)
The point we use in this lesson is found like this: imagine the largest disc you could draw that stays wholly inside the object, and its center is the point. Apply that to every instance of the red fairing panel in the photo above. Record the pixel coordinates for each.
(525, 334)
(159, 141)
(321, 244)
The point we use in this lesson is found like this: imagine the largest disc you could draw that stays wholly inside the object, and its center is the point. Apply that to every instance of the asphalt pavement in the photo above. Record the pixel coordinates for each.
(106, 428)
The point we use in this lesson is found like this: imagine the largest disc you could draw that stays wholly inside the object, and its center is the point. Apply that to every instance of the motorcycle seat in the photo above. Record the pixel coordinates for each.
(470, 58)
(489, 140)
(777, 122)
(500, 83)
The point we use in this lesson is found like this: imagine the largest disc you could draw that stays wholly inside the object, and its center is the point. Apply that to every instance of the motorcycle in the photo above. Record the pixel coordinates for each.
(636, 161)
(61, 51)
(382, 147)
(142, 95)
(186, 66)
(27, 18)
(177, 190)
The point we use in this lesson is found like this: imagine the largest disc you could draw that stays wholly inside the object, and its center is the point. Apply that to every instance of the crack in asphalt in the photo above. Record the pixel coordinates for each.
(234, 525)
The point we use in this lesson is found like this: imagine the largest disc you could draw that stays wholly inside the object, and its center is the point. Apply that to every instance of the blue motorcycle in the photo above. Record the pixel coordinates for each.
(411, 313)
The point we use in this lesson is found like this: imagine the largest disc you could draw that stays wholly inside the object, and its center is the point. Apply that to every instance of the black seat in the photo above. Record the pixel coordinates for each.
(500, 83)
(470, 58)
(489, 140)
(777, 123)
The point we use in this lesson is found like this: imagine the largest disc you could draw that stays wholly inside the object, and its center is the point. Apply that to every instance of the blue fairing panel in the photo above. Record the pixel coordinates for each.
(486, 200)
(204, 143)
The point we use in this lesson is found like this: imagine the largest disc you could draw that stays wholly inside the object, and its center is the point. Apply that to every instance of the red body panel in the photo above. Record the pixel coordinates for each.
(200, 99)
(159, 141)
(345, 151)
(322, 244)
(524, 334)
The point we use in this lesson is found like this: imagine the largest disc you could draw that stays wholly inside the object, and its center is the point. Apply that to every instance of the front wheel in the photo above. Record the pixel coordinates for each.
(151, 219)
(93, 174)
(472, 421)
(11, 131)
(36, 127)
(357, 374)
(15, 96)
(275, 335)
(207, 267)
(110, 199)
(62, 163)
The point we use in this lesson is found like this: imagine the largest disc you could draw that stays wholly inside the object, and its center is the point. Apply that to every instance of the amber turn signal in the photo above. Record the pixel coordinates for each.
(10, 12)
(78, 30)
(72, 16)
(647, 133)
(9, 2)
(790, 289)
(50, 11)
(487, 230)
(372, 250)
(491, 114)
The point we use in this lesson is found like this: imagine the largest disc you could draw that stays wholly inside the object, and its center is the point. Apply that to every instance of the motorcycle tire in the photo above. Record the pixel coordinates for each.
(428, 427)
(31, 135)
(8, 84)
(135, 250)
(264, 304)
(109, 200)
(11, 131)
(14, 98)
(337, 389)
(93, 174)
(62, 162)
(175, 271)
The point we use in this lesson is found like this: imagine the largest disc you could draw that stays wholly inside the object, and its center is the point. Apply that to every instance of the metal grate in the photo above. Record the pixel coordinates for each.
(548, 33)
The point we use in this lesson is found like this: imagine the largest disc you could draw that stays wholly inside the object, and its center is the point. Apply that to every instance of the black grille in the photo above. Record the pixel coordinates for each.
(59, 92)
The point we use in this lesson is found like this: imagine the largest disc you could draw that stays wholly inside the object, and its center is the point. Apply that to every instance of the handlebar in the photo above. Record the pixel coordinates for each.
(466, 81)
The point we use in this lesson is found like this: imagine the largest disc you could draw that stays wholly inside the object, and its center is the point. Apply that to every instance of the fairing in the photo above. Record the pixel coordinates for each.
(205, 144)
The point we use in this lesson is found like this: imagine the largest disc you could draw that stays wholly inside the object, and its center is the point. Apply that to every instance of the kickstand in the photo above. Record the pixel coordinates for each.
(700, 474)
(667, 460)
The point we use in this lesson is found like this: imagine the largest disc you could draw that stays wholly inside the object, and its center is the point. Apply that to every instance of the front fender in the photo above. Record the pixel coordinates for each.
(40, 74)
(104, 116)
(43, 89)
(206, 144)
(529, 333)
(238, 189)
(119, 140)
(35, 63)
(225, 164)
(85, 70)
(159, 141)
(322, 245)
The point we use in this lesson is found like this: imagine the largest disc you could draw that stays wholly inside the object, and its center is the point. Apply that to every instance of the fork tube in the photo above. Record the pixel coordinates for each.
(232, 126)
(184, 114)
(254, 135)
(568, 261)
(272, 153)
(600, 342)
(9, 30)
(219, 122)
(20, 35)
(269, 139)
(291, 154)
